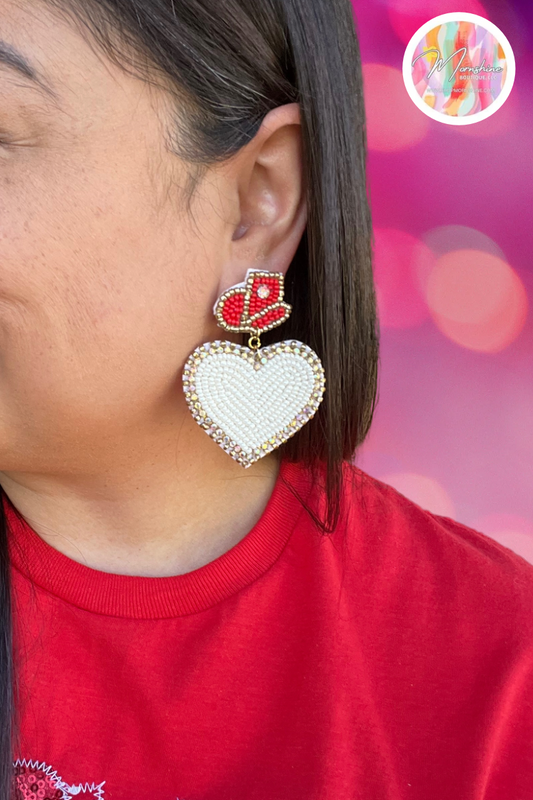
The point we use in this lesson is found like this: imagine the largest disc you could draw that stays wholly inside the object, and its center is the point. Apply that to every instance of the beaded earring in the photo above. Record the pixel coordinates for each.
(250, 400)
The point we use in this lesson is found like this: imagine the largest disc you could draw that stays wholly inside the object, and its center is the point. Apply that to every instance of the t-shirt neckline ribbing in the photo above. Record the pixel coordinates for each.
(140, 597)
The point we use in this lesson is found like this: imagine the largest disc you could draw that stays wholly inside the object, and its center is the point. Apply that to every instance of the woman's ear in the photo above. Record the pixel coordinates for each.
(269, 209)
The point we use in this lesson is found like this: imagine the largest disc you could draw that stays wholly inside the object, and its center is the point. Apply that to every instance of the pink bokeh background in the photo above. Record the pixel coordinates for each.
(451, 205)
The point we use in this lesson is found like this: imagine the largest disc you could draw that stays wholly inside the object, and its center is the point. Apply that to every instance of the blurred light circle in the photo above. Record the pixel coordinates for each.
(399, 261)
(393, 122)
(477, 300)
(407, 16)
(422, 490)
(446, 238)
(491, 523)
(519, 543)
(510, 530)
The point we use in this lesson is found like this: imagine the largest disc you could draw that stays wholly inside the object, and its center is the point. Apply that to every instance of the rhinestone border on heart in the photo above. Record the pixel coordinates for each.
(257, 359)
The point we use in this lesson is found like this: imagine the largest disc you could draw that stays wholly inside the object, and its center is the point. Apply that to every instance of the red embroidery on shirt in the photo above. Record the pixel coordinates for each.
(35, 780)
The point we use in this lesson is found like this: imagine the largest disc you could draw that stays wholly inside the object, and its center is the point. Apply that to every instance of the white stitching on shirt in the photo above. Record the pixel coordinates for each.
(97, 791)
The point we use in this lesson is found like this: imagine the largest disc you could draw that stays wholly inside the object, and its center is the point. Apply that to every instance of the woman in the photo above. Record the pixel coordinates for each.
(175, 625)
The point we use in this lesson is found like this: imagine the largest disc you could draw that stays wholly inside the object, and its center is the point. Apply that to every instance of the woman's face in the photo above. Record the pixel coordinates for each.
(106, 282)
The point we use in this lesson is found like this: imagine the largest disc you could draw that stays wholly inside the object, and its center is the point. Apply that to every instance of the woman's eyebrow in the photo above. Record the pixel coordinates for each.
(11, 58)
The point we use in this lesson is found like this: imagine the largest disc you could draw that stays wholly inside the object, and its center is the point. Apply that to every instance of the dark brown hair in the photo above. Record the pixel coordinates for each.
(226, 63)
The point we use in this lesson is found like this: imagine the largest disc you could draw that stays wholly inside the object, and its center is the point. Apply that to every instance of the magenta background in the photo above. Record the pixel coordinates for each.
(453, 429)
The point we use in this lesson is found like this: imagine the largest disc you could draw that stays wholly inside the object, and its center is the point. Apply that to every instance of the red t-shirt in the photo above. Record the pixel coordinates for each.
(391, 660)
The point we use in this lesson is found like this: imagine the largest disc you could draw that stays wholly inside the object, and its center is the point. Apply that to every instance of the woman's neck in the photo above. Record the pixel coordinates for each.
(169, 513)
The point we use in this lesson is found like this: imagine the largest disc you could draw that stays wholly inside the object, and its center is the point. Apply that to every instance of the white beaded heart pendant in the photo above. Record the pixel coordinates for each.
(250, 400)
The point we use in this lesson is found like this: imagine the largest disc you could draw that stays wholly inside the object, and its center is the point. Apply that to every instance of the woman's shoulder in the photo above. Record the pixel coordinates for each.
(432, 549)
